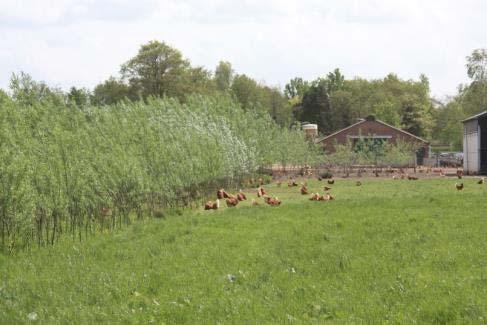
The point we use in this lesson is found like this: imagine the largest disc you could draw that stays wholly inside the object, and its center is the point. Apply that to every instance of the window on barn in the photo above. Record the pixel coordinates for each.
(370, 144)
(374, 143)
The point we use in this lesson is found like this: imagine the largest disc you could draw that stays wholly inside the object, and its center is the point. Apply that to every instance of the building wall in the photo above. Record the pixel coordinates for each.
(372, 128)
(471, 147)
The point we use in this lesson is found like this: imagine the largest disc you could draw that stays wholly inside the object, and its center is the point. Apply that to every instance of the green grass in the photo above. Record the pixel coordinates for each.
(397, 251)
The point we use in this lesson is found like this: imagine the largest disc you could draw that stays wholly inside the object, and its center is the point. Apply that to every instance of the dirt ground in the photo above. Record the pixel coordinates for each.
(420, 172)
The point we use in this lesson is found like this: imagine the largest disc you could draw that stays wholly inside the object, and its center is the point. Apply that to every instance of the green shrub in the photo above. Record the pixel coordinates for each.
(60, 168)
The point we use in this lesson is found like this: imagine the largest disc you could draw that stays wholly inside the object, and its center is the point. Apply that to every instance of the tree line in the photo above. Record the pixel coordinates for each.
(332, 101)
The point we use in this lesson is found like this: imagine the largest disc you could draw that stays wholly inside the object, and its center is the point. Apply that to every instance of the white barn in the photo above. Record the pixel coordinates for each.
(475, 144)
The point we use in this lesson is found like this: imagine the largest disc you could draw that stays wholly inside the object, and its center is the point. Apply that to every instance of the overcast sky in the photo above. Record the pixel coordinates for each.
(82, 42)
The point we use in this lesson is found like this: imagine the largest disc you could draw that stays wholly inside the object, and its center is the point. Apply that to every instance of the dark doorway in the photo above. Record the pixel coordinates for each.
(483, 145)
(420, 153)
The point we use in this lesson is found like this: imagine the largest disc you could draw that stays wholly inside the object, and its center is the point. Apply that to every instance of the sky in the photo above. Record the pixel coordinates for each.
(83, 42)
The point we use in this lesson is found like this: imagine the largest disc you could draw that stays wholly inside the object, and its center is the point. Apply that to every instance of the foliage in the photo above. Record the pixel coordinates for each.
(246, 91)
(224, 76)
(334, 102)
(316, 107)
(112, 91)
(366, 152)
(448, 129)
(78, 97)
(296, 87)
(61, 168)
(477, 65)
(160, 70)
(27, 91)
(156, 70)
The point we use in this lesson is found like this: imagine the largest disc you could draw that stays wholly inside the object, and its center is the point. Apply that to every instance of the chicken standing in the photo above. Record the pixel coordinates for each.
(261, 192)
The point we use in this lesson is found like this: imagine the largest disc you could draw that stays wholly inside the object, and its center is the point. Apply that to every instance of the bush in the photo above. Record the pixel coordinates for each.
(62, 169)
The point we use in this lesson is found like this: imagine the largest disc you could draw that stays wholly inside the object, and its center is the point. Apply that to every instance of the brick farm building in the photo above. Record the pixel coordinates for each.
(372, 129)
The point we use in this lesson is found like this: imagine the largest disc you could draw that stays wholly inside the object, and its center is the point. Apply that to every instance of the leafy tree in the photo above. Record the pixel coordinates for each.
(474, 97)
(4, 97)
(385, 110)
(477, 65)
(296, 88)
(224, 76)
(411, 117)
(112, 91)
(29, 92)
(157, 70)
(335, 81)
(79, 97)
(197, 81)
(341, 109)
(246, 90)
(448, 128)
(277, 105)
(316, 107)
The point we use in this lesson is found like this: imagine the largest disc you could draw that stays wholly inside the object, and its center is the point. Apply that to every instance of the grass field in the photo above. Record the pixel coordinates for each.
(387, 251)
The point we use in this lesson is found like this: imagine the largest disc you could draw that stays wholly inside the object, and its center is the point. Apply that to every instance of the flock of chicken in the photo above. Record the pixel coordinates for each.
(314, 196)
(460, 186)
(232, 200)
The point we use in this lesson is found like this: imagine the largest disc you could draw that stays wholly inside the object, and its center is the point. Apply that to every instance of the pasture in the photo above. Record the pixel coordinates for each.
(387, 251)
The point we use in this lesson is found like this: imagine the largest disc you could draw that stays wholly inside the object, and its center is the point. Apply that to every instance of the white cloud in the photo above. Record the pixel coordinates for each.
(82, 42)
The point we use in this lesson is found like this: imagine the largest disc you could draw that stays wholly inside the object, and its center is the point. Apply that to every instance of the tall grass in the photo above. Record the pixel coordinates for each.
(76, 171)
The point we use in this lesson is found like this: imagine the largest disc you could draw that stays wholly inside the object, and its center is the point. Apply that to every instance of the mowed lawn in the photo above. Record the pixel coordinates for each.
(389, 250)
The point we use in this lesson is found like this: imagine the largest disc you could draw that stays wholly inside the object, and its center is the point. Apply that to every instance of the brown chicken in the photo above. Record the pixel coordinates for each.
(328, 197)
(273, 201)
(304, 190)
(106, 212)
(315, 197)
(459, 186)
(291, 184)
(412, 178)
(241, 196)
(331, 181)
(459, 173)
(232, 202)
(261, 192)
(221, 194)
(212, 205)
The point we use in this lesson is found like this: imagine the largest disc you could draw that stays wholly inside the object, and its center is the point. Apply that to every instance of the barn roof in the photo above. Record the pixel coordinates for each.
(375, 120)
(475, 117)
